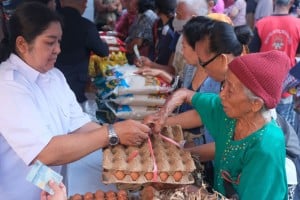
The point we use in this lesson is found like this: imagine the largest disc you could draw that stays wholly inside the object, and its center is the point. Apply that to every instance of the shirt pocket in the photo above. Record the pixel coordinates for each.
(64, 116)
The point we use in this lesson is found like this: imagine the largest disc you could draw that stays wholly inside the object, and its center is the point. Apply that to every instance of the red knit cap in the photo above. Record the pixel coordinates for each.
(263, 74)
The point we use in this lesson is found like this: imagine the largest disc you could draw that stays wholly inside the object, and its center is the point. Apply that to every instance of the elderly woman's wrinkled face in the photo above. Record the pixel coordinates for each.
(235, 102)
(188, 53)
(215, 64)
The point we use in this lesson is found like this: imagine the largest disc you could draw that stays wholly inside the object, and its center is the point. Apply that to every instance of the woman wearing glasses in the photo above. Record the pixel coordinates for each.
(195, 76)
(206, 75)
(219, 45)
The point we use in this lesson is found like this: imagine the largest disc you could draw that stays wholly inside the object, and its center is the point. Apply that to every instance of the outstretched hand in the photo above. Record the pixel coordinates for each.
(59, 192)
(158, 119)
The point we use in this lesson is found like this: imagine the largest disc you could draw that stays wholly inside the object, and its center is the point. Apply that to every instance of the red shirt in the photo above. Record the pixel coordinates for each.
(280, 32)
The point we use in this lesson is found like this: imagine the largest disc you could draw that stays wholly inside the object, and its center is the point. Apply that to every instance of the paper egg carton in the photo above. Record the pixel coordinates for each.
(134, 165)
(100, 195)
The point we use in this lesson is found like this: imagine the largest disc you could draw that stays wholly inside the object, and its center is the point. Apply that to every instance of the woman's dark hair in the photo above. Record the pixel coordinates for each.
(244, 34)
(29, 21)
(166, 7)
(144, 5)
(223, 37)
(196, 29)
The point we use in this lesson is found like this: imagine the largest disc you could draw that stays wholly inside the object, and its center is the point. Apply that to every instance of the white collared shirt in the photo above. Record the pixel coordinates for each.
(34, 108)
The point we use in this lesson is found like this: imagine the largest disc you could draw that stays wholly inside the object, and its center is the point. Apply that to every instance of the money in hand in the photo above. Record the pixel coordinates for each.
(41, 174)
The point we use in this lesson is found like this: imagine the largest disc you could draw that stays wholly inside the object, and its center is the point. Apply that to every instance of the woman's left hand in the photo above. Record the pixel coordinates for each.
(176, 99)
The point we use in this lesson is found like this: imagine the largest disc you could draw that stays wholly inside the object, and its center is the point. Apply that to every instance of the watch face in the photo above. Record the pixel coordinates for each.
(113, 140)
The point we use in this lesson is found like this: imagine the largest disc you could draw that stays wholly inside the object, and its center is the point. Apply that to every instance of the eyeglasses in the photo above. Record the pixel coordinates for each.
(204, 64)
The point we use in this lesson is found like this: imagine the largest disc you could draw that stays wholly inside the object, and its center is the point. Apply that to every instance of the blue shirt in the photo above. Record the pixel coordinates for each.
(163, 49)
(209, 85)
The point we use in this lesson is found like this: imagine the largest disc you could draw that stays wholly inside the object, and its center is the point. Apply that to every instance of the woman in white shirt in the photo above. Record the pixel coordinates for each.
(40, 118)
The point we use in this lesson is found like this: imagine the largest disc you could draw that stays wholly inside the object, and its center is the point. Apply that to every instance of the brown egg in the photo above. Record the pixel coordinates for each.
(147, 193)
(76, 197)
(99, 195)
(88, 196)
(177, 176)
(122, 195)
(163, 176)
(149, 176)
(110, 195)
(134, 175)
(119, 174)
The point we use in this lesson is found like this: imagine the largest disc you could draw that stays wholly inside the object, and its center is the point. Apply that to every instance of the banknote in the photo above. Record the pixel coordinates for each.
(41, 174)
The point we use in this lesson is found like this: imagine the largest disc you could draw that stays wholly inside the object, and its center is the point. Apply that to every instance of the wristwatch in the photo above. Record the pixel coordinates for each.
(112, 136)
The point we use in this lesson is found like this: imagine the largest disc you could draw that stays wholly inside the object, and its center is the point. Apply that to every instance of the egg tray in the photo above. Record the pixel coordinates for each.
(134, 165)
(100, 195)
(188, 192)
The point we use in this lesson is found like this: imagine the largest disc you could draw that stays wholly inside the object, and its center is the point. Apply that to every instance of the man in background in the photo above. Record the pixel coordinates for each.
(80, 39)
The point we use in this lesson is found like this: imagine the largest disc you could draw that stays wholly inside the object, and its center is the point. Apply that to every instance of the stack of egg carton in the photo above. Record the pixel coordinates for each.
(135, 165)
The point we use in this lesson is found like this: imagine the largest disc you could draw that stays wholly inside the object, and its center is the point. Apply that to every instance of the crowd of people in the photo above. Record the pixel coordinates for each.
(239, 82)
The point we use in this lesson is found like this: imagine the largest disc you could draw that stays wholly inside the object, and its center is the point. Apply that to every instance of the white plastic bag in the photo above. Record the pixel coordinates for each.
(132, 112)
(140, 100)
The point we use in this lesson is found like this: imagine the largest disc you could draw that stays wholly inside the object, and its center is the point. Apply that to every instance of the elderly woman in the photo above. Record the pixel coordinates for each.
(249, 151)
(216, 47)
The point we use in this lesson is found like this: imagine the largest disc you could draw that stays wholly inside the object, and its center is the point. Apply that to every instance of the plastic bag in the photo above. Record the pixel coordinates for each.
(131, 112)
(140, 100)
(122, 80)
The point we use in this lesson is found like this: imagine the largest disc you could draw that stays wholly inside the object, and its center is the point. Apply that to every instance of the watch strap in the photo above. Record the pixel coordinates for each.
(112, 135)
